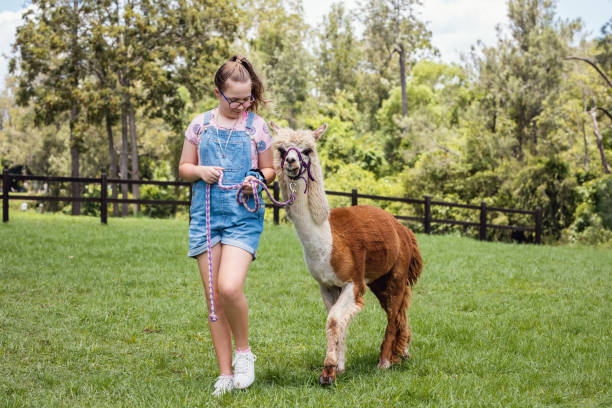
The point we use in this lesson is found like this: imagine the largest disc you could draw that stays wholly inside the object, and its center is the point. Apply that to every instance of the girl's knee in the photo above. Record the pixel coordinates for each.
(230, 292)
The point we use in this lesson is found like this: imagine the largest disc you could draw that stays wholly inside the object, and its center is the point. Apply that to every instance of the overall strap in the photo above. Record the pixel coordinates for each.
(250, 119)
(206, 118)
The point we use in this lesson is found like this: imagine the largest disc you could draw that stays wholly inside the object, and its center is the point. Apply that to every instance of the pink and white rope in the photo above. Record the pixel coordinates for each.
(240, 197)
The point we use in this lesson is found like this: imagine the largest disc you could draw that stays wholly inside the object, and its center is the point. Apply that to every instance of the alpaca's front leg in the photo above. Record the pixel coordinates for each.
(340, 314)
(330, 295)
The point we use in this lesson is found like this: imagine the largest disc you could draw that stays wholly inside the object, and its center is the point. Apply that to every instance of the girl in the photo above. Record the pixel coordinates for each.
(230, 139)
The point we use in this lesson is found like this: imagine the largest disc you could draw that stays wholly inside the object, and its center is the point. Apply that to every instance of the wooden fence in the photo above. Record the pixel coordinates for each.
(427, 220)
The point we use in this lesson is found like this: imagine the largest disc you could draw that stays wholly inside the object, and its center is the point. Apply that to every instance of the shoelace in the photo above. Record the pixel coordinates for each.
(241, 361)
(224, 383)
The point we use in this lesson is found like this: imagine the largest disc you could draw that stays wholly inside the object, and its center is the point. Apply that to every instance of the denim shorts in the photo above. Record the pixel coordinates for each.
(230, 222)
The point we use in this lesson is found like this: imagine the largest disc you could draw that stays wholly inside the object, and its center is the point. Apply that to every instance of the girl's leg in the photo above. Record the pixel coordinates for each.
(232, 274)
(220, 330)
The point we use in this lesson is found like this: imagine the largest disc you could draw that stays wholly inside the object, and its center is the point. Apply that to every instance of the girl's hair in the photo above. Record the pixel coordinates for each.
(240, 69)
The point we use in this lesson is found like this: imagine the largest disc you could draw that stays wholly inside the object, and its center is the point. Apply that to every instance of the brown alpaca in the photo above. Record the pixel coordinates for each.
(347, 249)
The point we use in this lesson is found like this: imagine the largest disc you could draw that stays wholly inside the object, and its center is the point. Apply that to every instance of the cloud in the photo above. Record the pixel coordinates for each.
(9, 21)
(458, 24)
(455, 24)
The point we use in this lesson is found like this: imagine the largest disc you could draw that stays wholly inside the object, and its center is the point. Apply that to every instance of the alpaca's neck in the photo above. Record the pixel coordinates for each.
(311, 231)
(315, 237)
(301, 212)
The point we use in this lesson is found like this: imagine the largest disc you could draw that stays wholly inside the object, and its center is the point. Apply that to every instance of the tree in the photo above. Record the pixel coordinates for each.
(338, 54)
(436, 96)
(522, 74)
(601, 64)
(391, 27)
(282, 57)
(52, 49)
(198, 36)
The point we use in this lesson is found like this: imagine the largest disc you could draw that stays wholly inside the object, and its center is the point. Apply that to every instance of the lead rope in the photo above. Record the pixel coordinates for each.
(241, 200)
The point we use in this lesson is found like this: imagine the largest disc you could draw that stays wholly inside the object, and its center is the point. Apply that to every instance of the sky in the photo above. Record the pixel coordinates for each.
(455, 24)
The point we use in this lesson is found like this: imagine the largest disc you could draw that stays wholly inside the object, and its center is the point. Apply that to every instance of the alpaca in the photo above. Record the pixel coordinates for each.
(347, 249)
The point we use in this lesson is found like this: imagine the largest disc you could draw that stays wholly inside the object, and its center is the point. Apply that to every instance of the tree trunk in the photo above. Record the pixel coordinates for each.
(112, 154)
(74, 159)
(74, 139)
(124, 159)
(135, 171)
(290, 119)
(599, 139)
(494, 121)
(520, 138)
(402, 62)
(586, 149)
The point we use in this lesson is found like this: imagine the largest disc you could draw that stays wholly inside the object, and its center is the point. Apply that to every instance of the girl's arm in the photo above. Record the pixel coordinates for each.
(191, 171)
(266, 165)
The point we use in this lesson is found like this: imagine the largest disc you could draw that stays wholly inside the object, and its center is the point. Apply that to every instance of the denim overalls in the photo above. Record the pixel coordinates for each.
(230, 222)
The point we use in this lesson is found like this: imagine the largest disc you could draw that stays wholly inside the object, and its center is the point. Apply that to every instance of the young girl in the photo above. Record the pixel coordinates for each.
(230, 139)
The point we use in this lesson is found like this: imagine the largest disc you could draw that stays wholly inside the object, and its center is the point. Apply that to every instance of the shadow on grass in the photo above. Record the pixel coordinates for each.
(359, 367)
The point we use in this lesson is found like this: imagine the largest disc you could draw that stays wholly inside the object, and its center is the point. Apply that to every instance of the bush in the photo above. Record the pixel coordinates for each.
(547, 185)
(91, 208)
(593, 217)
(155, 192)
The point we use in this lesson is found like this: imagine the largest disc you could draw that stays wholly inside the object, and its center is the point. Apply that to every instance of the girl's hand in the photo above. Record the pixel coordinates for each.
(248, 189)
(210, 174)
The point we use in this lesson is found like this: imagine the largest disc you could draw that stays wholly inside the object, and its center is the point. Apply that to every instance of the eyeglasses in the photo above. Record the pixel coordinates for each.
(234, 104)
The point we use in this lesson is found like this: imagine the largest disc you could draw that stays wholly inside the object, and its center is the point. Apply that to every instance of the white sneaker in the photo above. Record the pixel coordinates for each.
(244, 369)
(224, 383)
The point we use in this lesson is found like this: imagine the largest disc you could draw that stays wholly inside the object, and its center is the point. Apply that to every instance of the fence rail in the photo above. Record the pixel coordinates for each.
(427, 220)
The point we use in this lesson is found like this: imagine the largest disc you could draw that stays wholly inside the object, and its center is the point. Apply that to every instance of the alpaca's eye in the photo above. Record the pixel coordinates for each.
(282, 151)
(306, 151)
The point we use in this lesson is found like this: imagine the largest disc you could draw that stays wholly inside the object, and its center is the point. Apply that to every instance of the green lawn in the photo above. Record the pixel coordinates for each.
(94, 315)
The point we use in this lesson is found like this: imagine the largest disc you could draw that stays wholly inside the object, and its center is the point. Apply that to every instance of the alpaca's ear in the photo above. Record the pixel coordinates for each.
(274, 127)
(319, 132)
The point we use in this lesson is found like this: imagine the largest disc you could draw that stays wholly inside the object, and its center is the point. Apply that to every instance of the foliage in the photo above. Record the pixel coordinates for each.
(282, 54)
(593, 218)
(549, 186)
(154, 192)
(513, 126)
(339, 53)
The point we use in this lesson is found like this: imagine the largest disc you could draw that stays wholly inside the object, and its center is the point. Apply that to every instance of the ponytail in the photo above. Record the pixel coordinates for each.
(240, 69)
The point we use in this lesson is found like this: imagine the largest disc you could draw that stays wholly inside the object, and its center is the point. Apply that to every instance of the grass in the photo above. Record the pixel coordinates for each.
(94, 315)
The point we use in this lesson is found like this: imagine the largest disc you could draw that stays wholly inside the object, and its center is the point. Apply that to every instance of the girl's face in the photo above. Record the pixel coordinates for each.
(234, 92)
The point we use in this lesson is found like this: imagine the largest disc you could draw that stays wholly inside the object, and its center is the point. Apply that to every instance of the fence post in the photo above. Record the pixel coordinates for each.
(276, 207)
(354, 197)
(5, 195)
(538, 229)
(483, 221)
(103, 199)
(427, 214)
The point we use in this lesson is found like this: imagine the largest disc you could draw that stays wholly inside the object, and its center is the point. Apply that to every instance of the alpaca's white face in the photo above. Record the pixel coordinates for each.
(294, 149)
(294, 157)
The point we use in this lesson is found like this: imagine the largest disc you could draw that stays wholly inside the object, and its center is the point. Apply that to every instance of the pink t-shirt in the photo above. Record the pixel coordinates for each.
(260, 140)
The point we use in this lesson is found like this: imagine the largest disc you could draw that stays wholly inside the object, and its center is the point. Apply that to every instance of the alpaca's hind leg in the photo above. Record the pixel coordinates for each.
(390, 293)
(402, 339)
(349, 303)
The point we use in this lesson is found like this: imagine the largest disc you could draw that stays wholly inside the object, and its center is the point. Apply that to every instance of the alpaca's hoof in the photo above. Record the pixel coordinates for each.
(325, 380)
(328, 376)
(384, 364)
